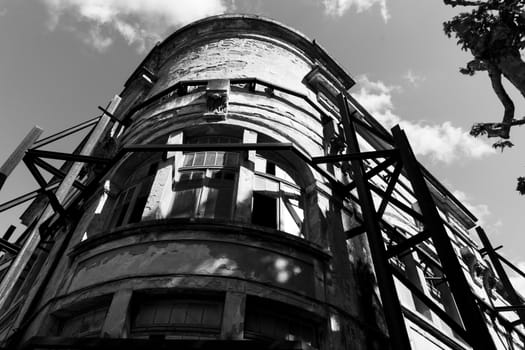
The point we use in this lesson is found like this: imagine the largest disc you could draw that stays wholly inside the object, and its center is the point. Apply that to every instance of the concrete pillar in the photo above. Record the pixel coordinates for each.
(116, 324)
(243, 212)
(233, 316)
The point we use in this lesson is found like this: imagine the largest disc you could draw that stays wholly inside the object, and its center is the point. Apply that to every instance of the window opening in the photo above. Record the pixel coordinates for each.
(264, 211)
(85, 324)
(432, 281)
(277, 199)
(131, 201)
(270, 321)
(207, 181)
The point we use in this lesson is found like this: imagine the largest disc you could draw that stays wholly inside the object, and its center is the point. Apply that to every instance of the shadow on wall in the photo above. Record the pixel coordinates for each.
(196, 258)
(350, 275)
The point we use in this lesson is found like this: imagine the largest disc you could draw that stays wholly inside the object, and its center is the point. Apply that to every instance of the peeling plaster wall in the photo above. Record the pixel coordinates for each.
(162, 254)
(195, 259)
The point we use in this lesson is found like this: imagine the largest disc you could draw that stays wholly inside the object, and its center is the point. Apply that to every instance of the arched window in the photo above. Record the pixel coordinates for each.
(138, 178)
(261, 188)
(205, 183)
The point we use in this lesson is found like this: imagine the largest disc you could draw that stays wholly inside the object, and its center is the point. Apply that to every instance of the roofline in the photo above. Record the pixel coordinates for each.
(300, 41)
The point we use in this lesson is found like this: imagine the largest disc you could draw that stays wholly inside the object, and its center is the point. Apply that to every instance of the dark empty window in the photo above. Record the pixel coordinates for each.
(271, 321)
(84, 324)
(264, 211)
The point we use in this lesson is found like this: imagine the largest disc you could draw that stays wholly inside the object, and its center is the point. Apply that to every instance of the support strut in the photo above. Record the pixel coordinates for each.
(393, 312)
(471, 315)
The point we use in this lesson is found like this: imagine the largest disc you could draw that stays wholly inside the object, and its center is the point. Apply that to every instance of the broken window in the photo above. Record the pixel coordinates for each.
(277, 199)
(130, 203)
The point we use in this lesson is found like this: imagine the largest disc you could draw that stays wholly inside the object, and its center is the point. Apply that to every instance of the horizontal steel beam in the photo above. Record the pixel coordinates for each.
(269, 146)
(56, 172)
(407, 244)
(306, 158)
(26, 197)
(509, 308)
(8, 246)
(355, 156)
(66, 132)
(68, 156)
(201, 147)
(483, 251)
(354, 232)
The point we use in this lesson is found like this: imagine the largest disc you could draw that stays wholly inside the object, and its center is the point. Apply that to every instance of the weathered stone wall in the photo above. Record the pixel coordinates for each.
(247, 56)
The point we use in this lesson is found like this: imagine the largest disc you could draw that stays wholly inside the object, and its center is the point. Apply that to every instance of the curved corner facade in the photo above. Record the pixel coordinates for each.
(227, 234)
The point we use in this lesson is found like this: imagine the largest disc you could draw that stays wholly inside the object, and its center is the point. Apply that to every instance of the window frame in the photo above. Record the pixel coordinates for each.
(282, 201)
(123, 212)
(207, 181)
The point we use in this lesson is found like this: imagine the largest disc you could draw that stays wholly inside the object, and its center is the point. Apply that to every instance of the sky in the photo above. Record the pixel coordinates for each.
(60, 59)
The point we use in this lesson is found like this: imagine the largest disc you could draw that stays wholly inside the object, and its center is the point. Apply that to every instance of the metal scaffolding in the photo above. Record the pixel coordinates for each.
(398, 155)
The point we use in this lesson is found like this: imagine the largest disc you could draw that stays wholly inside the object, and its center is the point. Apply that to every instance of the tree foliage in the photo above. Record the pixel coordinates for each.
(494, 33)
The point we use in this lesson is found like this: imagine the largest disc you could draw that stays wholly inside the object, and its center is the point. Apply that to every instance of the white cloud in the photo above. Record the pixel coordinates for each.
(481, 211)
(140, 22)
(441, 142)
(339, 7)
(96, 39)
(413, 78)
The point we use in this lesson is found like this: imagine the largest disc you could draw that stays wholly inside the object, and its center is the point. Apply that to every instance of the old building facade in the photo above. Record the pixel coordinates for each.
(213, 222)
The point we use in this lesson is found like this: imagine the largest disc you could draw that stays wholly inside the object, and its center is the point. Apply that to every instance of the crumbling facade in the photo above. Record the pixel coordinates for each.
(210, 214)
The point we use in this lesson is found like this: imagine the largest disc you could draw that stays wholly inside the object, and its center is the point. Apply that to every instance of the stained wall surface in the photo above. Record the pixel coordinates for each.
(230, 244)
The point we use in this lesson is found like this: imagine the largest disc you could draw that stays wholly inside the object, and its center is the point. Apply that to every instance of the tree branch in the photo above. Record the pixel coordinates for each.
(455, 3)
(508, 105)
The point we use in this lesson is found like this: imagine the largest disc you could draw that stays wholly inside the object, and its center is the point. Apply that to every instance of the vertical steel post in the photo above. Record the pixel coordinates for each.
(471, 315)
(513, 296)
(391, 306)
